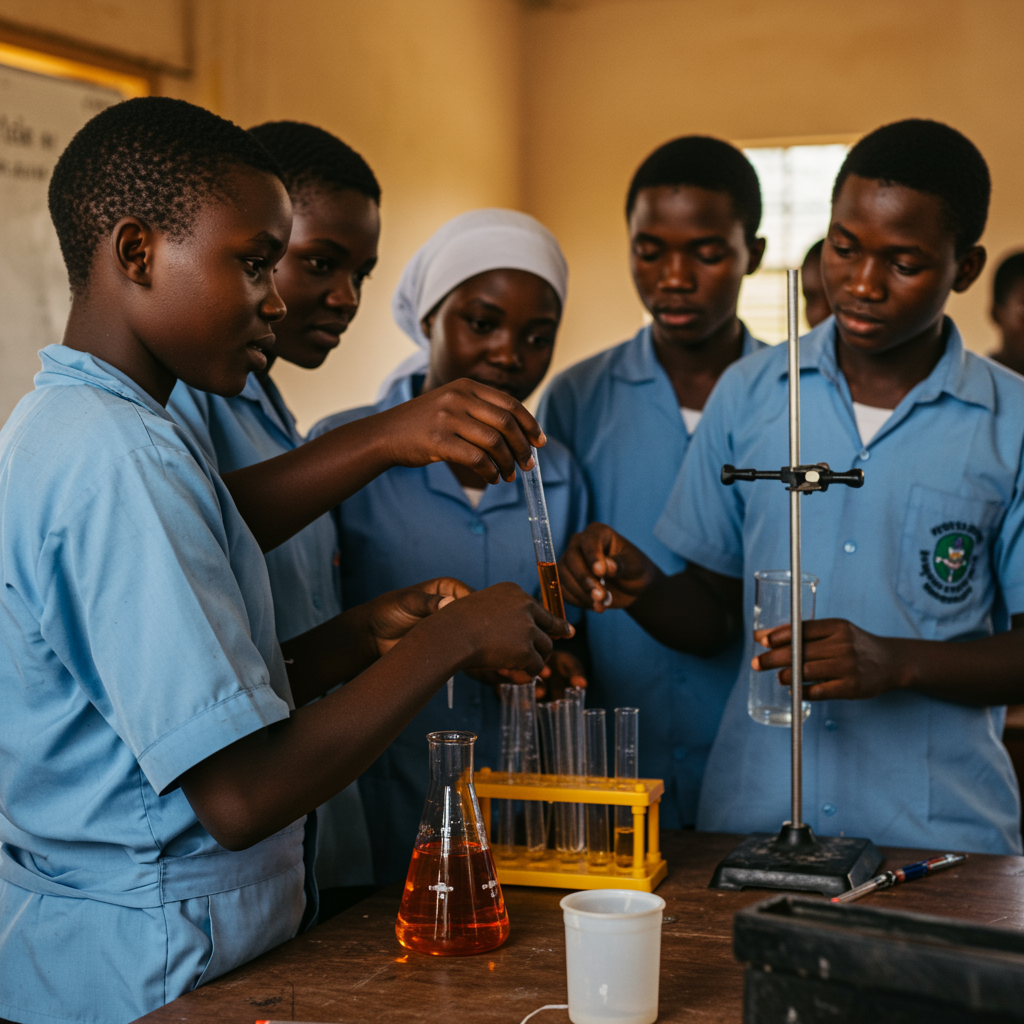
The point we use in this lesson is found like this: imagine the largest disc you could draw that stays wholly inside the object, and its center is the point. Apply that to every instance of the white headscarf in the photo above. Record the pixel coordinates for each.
(470, 244)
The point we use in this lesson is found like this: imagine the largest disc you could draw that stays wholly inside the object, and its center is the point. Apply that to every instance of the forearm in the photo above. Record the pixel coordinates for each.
(989, 671)
(280, 496)
(260, 784)
(329, 654)
(689, 612)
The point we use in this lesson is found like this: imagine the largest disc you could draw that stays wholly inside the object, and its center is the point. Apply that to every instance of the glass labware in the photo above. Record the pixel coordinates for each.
(520, 757)
(595, 746)
(768, 702)
(452, 904)
(627, 768)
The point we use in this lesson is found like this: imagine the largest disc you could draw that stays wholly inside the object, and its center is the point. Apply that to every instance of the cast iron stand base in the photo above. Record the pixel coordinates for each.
(798, 859)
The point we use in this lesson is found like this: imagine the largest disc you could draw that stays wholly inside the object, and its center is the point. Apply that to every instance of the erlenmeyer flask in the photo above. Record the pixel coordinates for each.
(452, 904)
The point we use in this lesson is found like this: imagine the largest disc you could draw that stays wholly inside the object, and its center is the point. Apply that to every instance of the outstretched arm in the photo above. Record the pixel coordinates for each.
(261, 783)
(697, 611)
(344, 646)
(463, 422)
(844, 662)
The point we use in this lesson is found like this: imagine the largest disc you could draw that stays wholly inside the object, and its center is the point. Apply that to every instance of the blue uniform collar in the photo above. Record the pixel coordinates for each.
(639, 364)
(63, 365)
(269, 400)
(953, 375)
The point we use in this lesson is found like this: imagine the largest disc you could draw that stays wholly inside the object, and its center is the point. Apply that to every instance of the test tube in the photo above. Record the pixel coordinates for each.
(596, 748)
(626, 767)
(543, 546)
(520, 757)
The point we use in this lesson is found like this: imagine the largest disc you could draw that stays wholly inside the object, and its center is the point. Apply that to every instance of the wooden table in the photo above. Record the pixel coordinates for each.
(352, 970)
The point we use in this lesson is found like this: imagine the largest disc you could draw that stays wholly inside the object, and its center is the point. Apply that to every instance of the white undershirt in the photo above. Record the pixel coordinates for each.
(870, 420)
(691, 417)
(473, 494)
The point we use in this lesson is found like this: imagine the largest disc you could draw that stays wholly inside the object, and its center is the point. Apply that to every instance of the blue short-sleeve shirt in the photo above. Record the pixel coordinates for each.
(931, 547)
(136, 639)
(618, 414)
(252, 427)
(411, 525)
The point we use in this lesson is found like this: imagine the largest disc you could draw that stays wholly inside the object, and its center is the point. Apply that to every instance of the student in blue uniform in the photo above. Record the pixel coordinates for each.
(333, 247)
(919, 638)
(482, 298)
(158, 748)
(1008, 311)
(628, 415)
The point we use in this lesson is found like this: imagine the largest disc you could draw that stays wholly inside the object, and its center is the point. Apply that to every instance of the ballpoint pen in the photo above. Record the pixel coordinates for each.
(905, 874)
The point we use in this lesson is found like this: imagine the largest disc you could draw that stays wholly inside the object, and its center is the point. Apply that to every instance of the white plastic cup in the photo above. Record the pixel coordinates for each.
(613, 955)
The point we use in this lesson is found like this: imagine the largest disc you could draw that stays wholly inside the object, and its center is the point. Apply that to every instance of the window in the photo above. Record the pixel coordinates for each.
(796, 192)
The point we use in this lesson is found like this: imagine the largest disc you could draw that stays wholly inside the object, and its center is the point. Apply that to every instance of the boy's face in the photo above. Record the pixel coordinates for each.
(815, 300)
(889, 263)
(688, 255)
(497, 328)
(333, 248)
(212, 297)
(1009, 316)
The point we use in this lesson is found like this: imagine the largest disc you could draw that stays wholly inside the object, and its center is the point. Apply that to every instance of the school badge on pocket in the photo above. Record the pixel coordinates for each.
(948, 567)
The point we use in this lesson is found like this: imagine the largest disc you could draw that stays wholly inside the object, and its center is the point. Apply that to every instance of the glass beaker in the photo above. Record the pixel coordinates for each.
(452, 904)
(768, 702)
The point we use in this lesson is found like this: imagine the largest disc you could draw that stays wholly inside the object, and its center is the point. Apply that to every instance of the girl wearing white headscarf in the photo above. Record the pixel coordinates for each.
(467, 245)
(482, 299)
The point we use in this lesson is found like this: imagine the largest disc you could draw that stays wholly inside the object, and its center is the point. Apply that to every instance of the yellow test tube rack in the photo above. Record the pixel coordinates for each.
(643, 795)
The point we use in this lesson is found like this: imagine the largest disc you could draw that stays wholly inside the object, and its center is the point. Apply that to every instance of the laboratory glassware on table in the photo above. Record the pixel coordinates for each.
(768, 702)
(796, 858)
(520, 761)
(452, 903)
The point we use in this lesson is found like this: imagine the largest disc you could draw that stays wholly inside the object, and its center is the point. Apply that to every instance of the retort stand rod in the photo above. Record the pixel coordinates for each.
(795, 578)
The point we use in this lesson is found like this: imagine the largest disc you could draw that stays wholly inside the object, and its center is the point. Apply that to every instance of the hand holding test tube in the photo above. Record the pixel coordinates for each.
(543, 546)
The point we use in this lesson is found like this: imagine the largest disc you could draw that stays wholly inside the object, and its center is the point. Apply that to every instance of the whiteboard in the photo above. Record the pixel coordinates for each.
(38, 117)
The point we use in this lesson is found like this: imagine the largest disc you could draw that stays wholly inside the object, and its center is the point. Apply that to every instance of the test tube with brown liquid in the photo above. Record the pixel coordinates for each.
(544, 548)
(626, 769)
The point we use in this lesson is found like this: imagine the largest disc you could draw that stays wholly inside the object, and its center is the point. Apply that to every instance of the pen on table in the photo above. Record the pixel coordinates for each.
(905, 874)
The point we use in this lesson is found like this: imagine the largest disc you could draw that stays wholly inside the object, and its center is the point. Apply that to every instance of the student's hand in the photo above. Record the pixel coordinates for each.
(389, 617)
(563, 671)
(501, 627)
(601, 569)
(467, 423)
(841, 661)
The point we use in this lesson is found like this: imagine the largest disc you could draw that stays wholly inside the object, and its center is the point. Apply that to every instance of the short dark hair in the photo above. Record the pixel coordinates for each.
(310, 157)
(1009, 272)
(703, 162)
(814, 253)
(930, 157)
(154, 158)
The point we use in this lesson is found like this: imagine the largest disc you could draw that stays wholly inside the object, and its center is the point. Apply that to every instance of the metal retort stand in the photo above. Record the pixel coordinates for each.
(796, 858)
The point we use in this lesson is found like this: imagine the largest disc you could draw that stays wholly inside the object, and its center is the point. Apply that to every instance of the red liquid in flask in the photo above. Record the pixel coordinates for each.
(455, 911)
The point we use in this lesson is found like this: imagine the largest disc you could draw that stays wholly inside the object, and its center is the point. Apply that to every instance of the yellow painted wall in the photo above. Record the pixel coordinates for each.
(424, 89)
(551, 104)
(606, 81)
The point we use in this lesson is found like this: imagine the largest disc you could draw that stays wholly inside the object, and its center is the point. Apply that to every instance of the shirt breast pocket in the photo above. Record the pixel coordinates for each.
(946, 577)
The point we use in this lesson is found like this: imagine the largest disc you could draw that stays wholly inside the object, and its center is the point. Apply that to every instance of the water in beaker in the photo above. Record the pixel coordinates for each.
(452, 904)
(768, 702)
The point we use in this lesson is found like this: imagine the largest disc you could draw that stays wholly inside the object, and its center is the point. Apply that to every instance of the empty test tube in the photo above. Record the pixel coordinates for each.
(626, 767)
(520, 756)
(596, 750)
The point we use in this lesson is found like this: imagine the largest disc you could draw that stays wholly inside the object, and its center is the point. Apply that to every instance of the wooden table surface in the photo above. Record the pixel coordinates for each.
(352, 970)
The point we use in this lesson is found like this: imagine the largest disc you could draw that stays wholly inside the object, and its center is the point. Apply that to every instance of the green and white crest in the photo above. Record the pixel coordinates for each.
(952, 556)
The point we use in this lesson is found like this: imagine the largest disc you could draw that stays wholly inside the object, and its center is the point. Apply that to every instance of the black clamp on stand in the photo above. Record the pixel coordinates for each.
(804, 478)
(796, 858)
